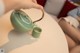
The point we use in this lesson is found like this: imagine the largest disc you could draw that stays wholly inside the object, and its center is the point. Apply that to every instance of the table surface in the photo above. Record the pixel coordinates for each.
(51, 40)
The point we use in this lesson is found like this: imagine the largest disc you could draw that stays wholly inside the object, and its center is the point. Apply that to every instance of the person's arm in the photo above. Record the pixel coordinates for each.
(18, 4)
(71, 31)
(78, 18)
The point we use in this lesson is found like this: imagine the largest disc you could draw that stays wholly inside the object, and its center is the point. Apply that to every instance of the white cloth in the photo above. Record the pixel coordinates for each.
(54, 6)
(2, 7)
(72, 21)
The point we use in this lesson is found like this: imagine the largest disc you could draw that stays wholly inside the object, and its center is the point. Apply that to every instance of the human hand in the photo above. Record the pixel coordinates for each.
(20, 4)
(26, 4)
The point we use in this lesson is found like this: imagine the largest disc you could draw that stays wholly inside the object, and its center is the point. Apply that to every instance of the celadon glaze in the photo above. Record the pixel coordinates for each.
(21, 21)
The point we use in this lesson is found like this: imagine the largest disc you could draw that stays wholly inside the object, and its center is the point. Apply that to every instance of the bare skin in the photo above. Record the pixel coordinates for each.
(75, 49)
(70, 30)
(71, 42)
(73, 36)
(20, 4)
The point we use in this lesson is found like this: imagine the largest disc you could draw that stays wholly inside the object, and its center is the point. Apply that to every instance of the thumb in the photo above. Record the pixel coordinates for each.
(34, 5)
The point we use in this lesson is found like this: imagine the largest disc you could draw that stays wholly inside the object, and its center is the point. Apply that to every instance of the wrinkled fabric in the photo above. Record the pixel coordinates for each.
(75, 12)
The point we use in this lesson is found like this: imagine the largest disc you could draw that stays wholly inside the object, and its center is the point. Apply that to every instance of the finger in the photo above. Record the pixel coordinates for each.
(35, 1)
(37, 6)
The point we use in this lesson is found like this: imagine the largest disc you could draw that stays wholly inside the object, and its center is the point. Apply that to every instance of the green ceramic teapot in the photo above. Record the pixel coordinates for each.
(22, 22)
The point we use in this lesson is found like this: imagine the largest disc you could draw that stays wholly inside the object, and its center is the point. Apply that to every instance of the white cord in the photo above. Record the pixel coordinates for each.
(2, 7)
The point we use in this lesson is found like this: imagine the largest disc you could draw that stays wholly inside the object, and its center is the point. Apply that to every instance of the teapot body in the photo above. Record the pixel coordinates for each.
(21, 21)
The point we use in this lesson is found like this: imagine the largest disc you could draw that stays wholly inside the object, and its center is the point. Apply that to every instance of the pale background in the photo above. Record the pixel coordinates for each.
(52, 39)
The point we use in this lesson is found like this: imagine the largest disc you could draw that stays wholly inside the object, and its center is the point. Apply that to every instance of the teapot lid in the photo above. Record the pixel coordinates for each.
(22, 20)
